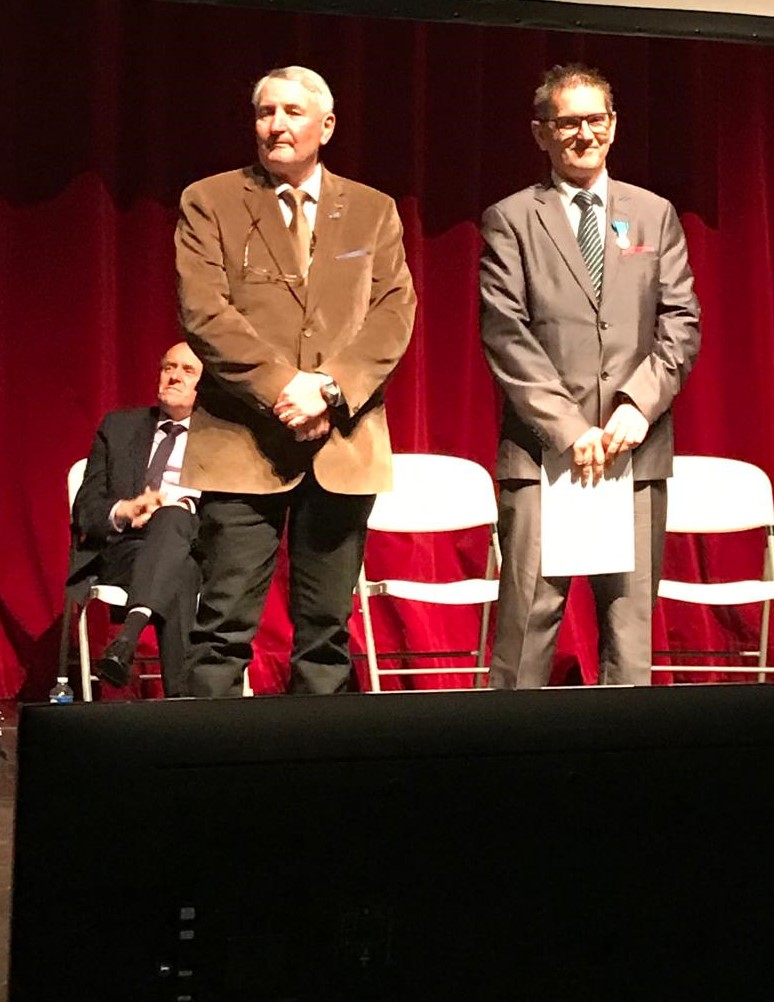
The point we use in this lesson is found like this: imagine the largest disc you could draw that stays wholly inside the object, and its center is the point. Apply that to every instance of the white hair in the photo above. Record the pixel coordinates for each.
(310, 80)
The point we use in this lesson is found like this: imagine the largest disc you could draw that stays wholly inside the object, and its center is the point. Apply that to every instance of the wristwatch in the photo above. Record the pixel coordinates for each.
(331, 392)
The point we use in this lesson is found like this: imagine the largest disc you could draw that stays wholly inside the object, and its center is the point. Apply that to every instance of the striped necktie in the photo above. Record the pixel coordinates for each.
(588, 238)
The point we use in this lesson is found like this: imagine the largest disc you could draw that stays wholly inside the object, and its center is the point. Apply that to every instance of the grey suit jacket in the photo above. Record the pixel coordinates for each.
(559, 356)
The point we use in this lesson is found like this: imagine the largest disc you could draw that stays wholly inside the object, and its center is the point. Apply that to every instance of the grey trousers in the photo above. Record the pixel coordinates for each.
(531, 607)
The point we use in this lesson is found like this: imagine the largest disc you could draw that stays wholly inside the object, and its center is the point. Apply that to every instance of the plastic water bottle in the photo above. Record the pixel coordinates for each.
(61, 693)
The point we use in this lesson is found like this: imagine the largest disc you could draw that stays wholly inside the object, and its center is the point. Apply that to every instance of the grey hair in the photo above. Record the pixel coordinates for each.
(310, 80)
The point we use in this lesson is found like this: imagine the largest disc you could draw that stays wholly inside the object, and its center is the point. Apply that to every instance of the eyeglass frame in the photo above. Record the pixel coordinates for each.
(293, 280)
(609, 115)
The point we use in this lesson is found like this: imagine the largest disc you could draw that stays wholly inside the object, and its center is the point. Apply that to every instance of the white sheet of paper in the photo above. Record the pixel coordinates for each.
(586, 530)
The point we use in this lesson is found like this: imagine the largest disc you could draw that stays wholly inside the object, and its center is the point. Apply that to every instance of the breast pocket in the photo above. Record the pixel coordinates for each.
(638, 269)
(351, 273)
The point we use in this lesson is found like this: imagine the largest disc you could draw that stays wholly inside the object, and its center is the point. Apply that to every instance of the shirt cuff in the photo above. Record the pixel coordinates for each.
(117, 525)
(186, 502)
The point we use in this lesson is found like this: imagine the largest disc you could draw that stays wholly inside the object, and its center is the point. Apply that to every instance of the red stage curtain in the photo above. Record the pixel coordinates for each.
(110, 107)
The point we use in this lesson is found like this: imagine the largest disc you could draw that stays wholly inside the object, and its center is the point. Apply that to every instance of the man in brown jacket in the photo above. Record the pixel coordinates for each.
(295, 294)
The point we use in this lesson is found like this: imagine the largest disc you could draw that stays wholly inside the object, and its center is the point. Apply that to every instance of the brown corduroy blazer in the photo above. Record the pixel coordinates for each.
(255, 324)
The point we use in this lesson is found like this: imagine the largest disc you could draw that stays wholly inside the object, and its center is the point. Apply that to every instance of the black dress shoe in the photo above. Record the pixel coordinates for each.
(115, 665)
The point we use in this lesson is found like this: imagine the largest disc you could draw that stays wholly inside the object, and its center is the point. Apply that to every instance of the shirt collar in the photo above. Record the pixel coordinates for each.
(185, 422)
(570, 190)
(312, 186)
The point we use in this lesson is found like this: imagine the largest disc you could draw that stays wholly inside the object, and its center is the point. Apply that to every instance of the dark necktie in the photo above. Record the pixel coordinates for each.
(588, 238)
(299, 230)
(160, 458)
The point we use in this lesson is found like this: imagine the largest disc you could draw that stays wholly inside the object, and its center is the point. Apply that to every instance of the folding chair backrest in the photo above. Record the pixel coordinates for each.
(74, 480)
(711, 494)
(434, 494)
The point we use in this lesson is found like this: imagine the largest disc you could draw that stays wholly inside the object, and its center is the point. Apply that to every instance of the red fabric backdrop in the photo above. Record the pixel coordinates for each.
(110, 107)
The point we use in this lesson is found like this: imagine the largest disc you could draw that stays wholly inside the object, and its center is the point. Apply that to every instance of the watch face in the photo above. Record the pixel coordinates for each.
(330, 391)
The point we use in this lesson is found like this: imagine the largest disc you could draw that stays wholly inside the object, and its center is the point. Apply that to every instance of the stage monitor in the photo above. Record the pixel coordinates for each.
(600, 844)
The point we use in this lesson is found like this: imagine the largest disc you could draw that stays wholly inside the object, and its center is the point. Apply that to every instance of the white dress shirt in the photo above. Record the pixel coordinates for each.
(568, 191)
(170, 487)
(312, 187)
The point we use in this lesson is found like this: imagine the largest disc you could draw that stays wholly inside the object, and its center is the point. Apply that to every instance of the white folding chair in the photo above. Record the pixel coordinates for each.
(110, 595)
(708, 494)
(433, 494)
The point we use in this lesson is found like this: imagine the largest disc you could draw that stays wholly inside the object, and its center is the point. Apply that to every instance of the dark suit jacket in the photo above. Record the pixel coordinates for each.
(560, 356)
(254, 329)
(115, 469)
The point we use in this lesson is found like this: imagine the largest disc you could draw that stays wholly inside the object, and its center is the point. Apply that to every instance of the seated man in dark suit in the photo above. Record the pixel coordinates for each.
(134, 524)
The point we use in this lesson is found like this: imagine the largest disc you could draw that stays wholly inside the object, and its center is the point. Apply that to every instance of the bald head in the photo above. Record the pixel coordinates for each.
(179, 374)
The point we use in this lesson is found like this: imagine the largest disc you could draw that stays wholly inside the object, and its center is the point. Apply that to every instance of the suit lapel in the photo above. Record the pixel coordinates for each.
(328, 228)
(553, 216)
(269, 227)
(617, 211)
(140, 449)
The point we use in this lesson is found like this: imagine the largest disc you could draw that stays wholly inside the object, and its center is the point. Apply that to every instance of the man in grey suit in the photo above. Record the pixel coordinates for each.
(590, 325)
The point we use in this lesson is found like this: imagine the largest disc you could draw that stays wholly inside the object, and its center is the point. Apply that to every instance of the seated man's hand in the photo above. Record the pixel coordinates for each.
(312, 428)
(137, 511)
(588, 456)
(626, 428)
(301, 399)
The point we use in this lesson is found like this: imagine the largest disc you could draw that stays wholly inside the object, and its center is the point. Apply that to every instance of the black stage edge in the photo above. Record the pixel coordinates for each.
(600, 844)
(551, 15)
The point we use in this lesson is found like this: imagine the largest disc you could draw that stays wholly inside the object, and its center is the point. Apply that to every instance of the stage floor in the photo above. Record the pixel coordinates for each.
(648, 808)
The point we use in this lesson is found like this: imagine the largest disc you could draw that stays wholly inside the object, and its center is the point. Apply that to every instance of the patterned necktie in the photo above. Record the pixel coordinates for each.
(588, 238)
(160, 458)
(299, 230)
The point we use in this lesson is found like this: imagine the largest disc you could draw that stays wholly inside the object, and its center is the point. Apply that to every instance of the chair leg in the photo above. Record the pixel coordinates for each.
(64, 640)
(763, 642)
(368, 633)
(486, 608)
(247, 689)
(768, 575)
(482, 638)
(83, 653)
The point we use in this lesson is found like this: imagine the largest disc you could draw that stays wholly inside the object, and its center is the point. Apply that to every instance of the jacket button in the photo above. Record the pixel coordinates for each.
(603, 325)
(604, 375)
(306, 333)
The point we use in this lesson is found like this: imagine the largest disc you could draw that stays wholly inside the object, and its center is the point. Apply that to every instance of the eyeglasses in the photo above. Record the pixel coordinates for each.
(266, 275)
(568, 125)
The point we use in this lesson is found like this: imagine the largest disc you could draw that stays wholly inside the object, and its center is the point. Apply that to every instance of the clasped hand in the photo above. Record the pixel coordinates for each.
(137, 511)
(598, 447)
(302, 408)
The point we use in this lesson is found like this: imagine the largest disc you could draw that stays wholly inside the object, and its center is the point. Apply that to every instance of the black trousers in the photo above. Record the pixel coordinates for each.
(238, 541)
(158, 570)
